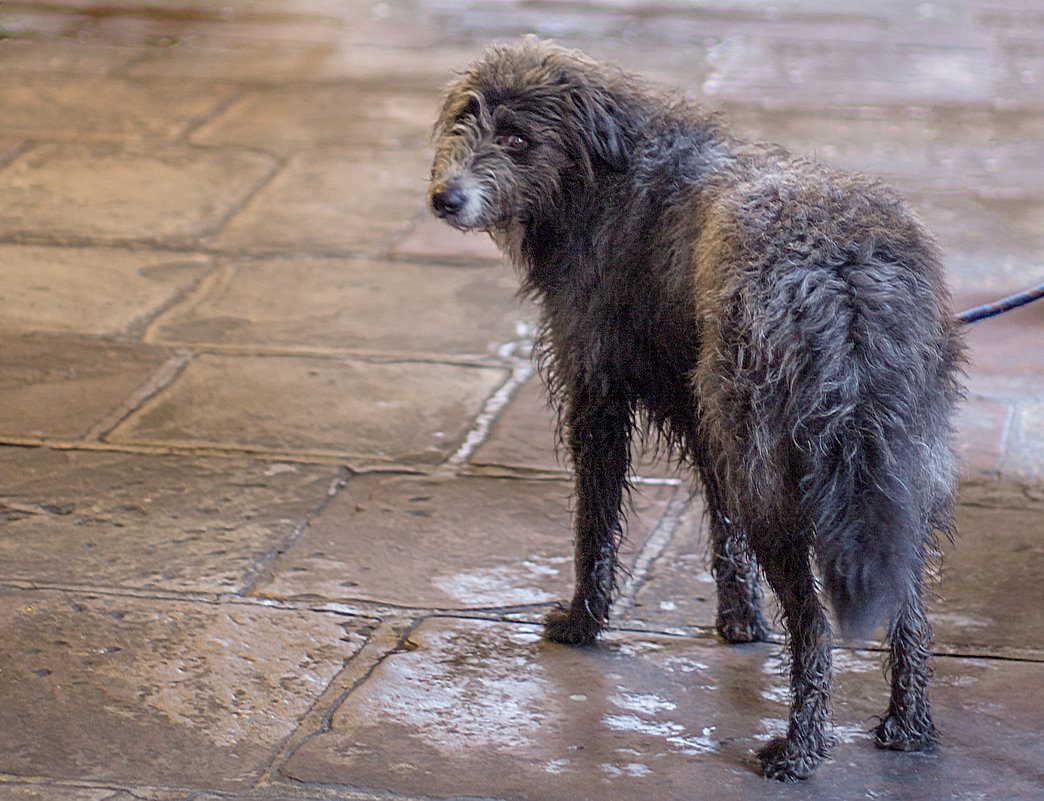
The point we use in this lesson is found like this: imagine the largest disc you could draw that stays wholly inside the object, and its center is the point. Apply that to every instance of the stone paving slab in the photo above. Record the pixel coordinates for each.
(347, 304)
(997, 368)
(979, 606)
(994, 244)
(480, 708)
(1008, 368)
(1025, 457)
(990, 577)
(446, 543)
(428, 69)
(373, 413)
(242, 61)
(817, 70)
(9, 147)
(29, 21)
(405, 26)
(67, 106)
(274, 13)
(166, 193)
(64, 56)
(226, 53)
(145, 24)
(982, 425)
(95, 291)
(171, 523)
(523, 438)
(430, 238)
(140, 691)
(40, 792)
(334, 115)
(333, 201)
(678, 595)
(577, 25)
(59, 387)
(523, 435)
(215, 25)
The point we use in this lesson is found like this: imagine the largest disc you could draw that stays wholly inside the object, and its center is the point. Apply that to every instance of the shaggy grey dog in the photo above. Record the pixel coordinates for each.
(782, 325)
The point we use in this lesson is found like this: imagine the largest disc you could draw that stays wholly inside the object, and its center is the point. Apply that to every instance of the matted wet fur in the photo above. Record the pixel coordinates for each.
(782, 325)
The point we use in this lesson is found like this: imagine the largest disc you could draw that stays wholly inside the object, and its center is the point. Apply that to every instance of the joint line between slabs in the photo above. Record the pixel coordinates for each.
(382, 640)
(1007, 427)
(653, 547)
(158, 381)
(520, 372)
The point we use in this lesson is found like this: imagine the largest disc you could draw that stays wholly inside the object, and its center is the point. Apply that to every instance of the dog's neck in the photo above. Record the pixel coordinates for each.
(508, 238)
(555, 250)
(529, 247)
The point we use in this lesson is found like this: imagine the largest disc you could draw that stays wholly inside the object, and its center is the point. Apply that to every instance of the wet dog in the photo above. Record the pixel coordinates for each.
(783, 326)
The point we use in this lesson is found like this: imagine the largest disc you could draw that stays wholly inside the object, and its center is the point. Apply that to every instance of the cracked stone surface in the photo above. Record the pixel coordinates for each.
(524, 436)
(679, 594)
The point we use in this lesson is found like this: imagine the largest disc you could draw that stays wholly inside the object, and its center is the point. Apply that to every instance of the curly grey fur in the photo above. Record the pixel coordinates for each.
(784, 326)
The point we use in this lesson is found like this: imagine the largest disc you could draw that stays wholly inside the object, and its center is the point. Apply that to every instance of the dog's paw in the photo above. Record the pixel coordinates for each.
(782, 761)
(736, 629)
(895, 736)
(568, 626)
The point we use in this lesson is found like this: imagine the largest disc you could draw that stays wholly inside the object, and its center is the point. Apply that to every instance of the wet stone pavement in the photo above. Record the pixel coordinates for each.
(280, 508)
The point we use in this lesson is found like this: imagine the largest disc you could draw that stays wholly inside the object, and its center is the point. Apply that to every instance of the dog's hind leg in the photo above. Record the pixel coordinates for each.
(908, 725)
(599, 430)
(788, 570)
(739, 617)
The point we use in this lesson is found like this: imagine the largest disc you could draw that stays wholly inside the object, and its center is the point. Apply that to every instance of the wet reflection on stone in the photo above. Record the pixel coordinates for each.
(647, 716)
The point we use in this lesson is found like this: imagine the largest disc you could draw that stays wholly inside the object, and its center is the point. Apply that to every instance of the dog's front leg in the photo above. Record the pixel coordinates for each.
(599, 432)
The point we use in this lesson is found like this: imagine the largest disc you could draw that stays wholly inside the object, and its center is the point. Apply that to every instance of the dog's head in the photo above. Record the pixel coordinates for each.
(519, 128)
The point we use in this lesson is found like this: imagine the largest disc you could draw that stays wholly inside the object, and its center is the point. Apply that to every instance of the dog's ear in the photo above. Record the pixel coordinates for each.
(600, 123)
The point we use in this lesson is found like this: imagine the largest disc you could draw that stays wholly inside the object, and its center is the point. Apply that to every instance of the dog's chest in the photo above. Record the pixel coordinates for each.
(624, 336)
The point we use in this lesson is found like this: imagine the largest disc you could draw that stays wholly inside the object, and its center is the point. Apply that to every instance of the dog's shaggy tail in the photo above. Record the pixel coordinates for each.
(869, 536)
(879, 483)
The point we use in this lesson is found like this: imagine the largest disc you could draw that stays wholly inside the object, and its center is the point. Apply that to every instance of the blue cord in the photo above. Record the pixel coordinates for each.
(999, 306)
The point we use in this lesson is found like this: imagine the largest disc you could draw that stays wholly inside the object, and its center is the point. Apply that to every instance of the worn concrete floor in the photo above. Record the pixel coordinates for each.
(279, 505)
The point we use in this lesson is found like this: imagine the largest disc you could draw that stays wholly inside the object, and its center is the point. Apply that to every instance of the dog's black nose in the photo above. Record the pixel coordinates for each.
(447, 201)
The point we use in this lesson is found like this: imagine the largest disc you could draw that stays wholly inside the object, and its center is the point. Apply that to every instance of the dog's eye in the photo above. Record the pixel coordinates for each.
(515, 142)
